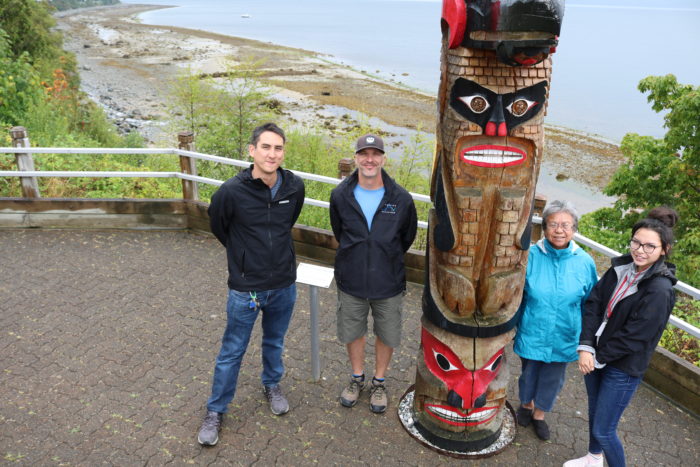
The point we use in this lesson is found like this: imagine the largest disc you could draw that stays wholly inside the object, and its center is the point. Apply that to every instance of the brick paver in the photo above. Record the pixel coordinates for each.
(107, 345)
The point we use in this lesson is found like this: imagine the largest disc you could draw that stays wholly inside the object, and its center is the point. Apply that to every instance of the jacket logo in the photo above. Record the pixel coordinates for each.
(389, 209)
(284, 201)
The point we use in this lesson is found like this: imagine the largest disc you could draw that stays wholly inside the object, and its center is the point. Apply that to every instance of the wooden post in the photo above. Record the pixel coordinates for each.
(345, 167)
(540, 203)
(25, 162)
(188, 165)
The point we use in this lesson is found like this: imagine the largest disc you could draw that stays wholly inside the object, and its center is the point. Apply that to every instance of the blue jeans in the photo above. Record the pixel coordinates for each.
(541, 382)
(277, 306)
(609, 392)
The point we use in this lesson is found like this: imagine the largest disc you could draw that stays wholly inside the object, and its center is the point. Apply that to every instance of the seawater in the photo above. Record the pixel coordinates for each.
(606, 47)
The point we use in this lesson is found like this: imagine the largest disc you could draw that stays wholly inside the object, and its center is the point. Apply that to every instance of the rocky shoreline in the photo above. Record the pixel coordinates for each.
(127, 67)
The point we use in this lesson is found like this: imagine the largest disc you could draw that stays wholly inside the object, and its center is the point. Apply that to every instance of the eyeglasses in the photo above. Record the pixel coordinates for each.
(647, 247)
(565, 226)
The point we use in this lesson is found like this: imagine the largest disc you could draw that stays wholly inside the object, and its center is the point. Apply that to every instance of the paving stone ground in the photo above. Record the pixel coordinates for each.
(107, 345)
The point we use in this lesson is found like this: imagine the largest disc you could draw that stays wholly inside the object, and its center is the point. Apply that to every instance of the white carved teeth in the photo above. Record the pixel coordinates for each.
(494, 152)
(493, 156)
(492, 159)
(455, 417)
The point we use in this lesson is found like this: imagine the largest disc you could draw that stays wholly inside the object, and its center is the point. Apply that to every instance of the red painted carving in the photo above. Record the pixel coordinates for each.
(454, 12)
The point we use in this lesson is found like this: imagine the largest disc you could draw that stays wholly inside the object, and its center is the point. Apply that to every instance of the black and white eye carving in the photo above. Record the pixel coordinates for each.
(520, 107)
(478, 104)
(493, 366)
(443, 362)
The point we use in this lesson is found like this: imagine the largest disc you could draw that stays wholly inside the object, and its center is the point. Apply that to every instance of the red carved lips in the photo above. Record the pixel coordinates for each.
(490, 155)
(456, 417)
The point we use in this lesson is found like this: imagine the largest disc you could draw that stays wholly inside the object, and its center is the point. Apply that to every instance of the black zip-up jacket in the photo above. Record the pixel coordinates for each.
(637, 321)
(370, 264)
(256, 229)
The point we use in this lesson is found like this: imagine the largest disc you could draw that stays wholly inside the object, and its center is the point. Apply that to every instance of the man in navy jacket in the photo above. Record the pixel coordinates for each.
(252, 215)
(374, 221)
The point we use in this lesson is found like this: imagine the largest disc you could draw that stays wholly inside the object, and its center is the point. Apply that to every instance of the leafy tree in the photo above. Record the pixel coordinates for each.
(412, 169)
(28, 24)
(658, 172)
(223, 112)
(241, 106)
(664, 171)
(191, 100)
(19, 84)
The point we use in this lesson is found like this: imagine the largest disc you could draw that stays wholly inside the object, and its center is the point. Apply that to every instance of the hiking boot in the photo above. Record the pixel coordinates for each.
(278, 403)
(209, 432)
(377, 397)
(350, 395)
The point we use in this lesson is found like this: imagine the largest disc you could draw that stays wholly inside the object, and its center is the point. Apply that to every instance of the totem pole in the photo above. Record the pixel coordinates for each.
(495, 71)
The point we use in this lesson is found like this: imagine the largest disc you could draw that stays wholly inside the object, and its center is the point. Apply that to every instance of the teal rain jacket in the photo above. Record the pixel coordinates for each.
(557, 284)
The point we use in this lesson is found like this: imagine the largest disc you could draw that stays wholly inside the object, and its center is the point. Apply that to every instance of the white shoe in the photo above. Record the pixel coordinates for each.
(586, 461)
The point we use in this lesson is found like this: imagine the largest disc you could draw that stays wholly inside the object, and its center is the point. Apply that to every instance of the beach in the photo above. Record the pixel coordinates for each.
(128, 67)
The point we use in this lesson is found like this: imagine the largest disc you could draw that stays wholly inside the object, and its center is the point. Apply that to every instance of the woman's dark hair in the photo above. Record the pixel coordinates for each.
(661, 220)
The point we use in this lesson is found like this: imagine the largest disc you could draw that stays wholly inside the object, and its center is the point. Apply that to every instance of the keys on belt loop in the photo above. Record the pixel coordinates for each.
(253, 304)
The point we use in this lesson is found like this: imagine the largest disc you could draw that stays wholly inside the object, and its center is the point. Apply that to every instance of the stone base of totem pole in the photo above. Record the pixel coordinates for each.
(505, 437)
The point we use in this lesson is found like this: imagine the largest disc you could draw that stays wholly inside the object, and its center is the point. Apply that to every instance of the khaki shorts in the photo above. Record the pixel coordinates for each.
(352, 315)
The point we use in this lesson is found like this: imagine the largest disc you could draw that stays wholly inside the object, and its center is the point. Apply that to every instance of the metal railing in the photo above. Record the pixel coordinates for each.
(178, 175)
(681, 286)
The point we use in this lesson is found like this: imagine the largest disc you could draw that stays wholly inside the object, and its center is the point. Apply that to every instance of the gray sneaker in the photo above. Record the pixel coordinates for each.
(350, 395)
(209, 432)
(278, 403)
(377, 397)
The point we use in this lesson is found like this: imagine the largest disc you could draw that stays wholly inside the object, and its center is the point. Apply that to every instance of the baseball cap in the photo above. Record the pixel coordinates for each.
(369, 141)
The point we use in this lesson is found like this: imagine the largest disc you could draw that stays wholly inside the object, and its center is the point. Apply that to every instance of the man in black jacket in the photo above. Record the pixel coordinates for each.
(374, 221)
(252, 215)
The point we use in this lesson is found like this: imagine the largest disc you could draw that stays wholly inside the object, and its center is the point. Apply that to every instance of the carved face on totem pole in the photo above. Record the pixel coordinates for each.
(494, 84)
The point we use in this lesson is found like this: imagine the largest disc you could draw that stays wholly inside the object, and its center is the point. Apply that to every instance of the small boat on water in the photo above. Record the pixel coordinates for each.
(245, 16)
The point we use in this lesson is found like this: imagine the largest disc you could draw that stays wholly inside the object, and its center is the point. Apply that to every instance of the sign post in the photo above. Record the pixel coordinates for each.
(315, 277)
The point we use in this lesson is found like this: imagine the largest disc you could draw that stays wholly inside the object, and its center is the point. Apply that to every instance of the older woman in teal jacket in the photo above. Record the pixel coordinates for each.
(559, 277)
